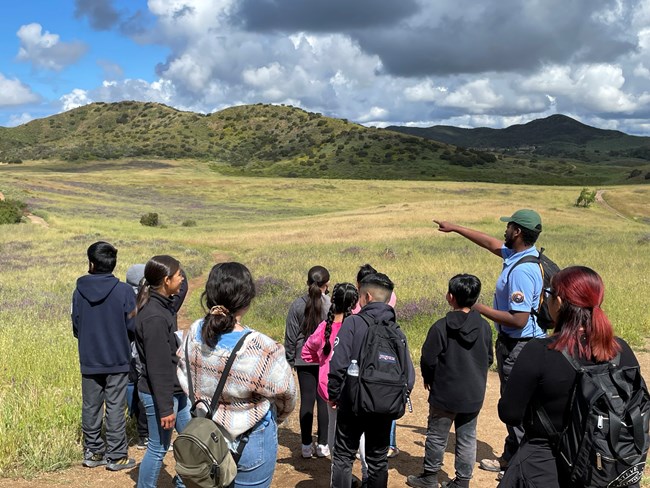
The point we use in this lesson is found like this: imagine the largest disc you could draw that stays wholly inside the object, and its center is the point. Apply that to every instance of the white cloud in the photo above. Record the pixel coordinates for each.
(76, 98)
(14, 92)
(597, 87)
(19, 119)
(45, 50)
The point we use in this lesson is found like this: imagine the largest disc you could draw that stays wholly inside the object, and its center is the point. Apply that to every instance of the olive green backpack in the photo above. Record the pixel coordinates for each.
(203, 459)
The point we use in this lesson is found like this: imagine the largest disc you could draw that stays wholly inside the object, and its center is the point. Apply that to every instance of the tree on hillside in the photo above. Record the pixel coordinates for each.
(586, 198)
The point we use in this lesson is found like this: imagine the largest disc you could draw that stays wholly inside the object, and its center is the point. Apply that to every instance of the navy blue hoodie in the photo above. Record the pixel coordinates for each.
(101, 305)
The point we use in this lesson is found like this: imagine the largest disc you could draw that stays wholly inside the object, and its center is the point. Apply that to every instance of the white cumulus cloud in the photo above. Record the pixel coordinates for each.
(14, 92)
(46, 50)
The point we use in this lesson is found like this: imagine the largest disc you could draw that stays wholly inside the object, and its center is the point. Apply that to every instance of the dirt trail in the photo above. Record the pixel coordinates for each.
(601, 201)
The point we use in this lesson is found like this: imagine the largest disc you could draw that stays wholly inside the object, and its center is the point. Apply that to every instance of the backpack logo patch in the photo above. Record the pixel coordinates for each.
(387, 358)
(629, 477)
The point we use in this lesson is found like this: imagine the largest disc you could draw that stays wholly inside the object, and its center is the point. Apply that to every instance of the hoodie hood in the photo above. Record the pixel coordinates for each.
(465, 325)
(96, 287)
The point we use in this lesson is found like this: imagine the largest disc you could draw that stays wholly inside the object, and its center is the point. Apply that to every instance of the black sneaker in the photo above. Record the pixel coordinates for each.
(142, 443)
(120, 464)
(423, 480)
(94, 459)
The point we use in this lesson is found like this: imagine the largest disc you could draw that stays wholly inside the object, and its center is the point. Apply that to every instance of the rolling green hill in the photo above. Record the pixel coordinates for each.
(271, 140)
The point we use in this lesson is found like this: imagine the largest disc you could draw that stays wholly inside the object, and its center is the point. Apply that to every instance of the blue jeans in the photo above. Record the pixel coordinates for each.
(159, 439)
(393, 440)
(436, 441)
(257, 463)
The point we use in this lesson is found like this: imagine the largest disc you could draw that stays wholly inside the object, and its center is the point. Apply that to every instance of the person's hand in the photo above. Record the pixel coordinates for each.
(168, 422)
(427, 386)
(443, 225)
(332, 404)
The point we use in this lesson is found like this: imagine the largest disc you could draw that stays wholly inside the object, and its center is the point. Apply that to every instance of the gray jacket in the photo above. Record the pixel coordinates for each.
(293, 336)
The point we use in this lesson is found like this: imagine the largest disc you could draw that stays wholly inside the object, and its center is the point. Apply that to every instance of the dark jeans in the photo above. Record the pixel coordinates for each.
(308, 381)
(136, 410)
(438, 434)
(507, 351)
(99, 391)
(349, 428)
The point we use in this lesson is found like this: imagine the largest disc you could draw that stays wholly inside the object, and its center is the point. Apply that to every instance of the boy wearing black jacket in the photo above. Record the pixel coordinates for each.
(103, 310)
(455, 360)
(374, 293)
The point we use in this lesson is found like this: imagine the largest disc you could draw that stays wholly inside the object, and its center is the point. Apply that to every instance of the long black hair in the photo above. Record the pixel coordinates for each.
(317, 277)
(229, 289)
(155, 271)
(344, 297)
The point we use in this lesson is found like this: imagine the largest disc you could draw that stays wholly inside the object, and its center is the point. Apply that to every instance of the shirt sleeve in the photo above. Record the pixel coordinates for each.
(341, 358)
(291, 334)
(521, 288)
(314, 345)
(431, 349)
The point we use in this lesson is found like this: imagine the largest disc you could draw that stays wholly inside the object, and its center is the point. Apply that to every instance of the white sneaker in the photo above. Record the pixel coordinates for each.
(307, 451)
(322, 450)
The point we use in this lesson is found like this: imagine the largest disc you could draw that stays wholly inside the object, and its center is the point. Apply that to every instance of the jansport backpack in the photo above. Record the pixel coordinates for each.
(383, 369)
(203, 459)
(548, 269)
(605, 442)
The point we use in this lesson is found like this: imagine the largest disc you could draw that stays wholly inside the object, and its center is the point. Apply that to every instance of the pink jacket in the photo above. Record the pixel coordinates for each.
(312, 352)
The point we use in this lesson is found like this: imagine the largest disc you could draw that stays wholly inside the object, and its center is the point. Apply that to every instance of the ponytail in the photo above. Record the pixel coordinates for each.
(317, 277)
(229, 290)
(155, 271)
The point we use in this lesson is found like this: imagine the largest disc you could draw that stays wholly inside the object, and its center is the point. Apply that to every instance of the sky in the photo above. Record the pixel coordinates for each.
(492, 63)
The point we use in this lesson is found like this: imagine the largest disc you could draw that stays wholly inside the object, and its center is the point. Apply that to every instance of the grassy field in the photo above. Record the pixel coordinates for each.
(279, 228)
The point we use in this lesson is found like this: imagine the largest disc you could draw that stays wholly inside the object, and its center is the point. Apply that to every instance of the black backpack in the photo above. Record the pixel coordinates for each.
(605, 442)
(383, 371)
(548, 269)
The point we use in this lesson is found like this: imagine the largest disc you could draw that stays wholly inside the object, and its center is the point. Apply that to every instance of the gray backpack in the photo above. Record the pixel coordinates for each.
(203, 459)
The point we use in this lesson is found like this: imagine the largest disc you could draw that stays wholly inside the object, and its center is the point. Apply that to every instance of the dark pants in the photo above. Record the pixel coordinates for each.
(99, 391)
(507, 351)
(349, 428)
(308, 381)
(533, 466)
(439, 425)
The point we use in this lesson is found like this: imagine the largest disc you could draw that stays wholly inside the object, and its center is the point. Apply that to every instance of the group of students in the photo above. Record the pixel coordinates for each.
(324, 335)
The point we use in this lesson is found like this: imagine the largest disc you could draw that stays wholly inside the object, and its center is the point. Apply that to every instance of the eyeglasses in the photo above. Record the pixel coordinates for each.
(549, 292)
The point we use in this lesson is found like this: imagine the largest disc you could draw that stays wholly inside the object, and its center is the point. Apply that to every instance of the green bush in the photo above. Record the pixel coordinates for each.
(150, 219)
(189, 223)
(11, 211)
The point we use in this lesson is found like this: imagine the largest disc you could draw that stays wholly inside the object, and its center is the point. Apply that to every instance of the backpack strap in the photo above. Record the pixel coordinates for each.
(222, 380)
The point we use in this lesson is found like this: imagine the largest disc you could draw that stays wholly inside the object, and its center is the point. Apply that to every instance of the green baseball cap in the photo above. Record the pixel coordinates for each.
(526, 218)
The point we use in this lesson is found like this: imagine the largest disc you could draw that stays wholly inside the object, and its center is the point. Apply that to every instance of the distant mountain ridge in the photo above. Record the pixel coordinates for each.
(278, 140)
(540, 132)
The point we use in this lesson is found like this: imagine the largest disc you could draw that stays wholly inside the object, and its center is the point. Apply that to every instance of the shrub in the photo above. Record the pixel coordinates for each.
(586, 198)
(150, 219)
(189, 223)
(11, 211)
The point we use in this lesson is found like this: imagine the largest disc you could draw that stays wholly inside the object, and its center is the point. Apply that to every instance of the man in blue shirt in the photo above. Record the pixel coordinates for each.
(517, 292)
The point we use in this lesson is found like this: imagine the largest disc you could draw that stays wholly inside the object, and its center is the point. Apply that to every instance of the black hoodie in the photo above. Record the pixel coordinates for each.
(101, 305)
(455, 360)
(347, 347)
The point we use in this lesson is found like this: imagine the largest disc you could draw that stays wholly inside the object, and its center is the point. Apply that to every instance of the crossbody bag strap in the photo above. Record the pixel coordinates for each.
(226, 371)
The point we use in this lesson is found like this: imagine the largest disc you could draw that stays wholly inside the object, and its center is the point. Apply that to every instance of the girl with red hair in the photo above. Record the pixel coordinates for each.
(543, 376)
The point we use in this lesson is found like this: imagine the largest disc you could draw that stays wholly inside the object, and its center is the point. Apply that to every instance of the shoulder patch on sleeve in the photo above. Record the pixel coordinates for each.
(517, 297)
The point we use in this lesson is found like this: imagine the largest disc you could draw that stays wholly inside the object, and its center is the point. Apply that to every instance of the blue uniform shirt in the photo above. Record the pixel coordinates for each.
(521, 293)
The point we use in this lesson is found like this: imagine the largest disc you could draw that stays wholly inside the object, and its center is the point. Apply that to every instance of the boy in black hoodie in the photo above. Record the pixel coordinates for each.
(103, 311)
(455, 360)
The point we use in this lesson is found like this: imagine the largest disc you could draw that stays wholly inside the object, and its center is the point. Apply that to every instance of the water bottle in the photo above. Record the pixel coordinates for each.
(353, 369)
